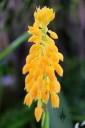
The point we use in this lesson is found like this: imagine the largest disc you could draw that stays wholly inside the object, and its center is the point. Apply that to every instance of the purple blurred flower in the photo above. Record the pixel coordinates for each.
(7, 80)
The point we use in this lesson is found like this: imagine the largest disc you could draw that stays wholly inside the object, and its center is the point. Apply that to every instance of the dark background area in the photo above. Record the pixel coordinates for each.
(69, 24)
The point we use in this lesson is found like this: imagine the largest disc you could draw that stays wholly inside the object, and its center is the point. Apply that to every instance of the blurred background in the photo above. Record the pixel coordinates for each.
(69, 24)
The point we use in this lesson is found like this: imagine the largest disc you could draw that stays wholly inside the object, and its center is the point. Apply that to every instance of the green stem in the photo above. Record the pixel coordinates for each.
(45, 119)
(14, 45)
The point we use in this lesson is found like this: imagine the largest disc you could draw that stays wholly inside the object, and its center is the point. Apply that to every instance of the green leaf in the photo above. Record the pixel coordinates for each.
(14, 45)
(55, 121)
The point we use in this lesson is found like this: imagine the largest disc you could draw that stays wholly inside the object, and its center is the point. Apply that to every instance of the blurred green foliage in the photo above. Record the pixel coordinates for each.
(15, 17)
(73, 85)
(17, 117)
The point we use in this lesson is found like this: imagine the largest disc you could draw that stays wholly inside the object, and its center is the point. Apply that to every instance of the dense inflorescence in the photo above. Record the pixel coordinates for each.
(41, 63)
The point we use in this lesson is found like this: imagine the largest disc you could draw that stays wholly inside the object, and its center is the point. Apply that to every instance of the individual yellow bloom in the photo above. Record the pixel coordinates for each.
(29, 58)
(36, 73)
(50, 41)
(45, 95)
(47, 52)
(55, 58)
(33, 92)
(60, 56)
(38, 113)
(28, 78)
(34, 31)
(54, 100)
(32, 39)
(34, 47)
(26, 68)
(51, 73)
(46, 60)
(36, 24)
(40, 83)
(41, 63)
(55, 86)
(28, 87)
(38, 94)
(28, 100)
(35, 39)
(59, 69)
(53, 34)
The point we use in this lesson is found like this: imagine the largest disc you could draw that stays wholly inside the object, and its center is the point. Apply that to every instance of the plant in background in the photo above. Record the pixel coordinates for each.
(41, 64)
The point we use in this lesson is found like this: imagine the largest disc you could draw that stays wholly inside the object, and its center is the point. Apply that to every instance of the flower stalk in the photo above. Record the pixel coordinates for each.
(45, 119)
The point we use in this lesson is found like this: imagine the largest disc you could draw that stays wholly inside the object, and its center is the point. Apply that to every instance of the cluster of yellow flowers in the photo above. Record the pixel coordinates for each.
(41, 63)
